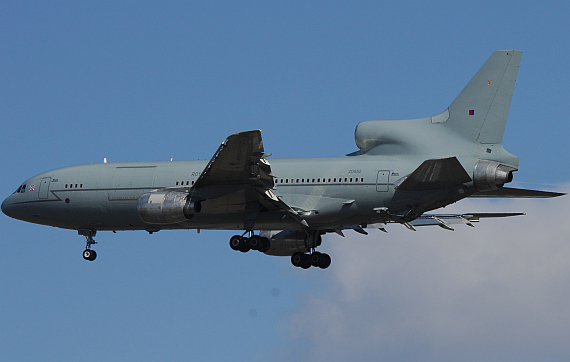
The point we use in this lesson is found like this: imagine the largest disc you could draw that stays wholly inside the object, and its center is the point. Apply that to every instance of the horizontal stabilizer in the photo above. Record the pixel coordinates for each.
(435, 175)
(444, 220)
(505, 192)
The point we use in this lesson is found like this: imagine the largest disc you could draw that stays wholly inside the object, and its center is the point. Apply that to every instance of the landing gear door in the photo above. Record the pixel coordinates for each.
(382, 181)
(44, 188)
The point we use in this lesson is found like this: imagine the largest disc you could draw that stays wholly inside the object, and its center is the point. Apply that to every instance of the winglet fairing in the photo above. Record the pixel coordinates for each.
(404, 169)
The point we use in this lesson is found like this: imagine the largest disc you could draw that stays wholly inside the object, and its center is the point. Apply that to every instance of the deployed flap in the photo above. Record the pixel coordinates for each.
(435, 175)
(506, 192)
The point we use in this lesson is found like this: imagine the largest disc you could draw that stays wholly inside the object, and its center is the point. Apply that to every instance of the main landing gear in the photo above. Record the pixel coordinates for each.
(89, 254)
(316, 259)
(245, 244)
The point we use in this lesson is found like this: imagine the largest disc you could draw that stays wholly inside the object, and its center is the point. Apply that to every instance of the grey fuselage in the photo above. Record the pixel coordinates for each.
(327, 192)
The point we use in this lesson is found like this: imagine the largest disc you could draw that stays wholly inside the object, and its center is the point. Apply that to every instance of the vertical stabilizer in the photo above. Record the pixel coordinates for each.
(479, 113)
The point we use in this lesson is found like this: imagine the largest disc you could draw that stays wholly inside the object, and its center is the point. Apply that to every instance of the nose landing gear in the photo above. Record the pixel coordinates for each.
(89, 254)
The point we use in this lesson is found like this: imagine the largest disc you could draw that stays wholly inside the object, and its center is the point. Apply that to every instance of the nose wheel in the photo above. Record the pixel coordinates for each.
(89, 254)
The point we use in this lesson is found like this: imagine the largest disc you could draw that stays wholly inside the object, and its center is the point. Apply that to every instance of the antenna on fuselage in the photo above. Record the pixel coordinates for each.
(105, 160)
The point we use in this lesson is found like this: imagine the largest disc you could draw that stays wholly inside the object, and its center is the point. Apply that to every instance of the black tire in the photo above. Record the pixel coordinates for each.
(244, 245)
(254, 242)
(235, 242)
(306, 262)
(326, 261)
(89, 254)
(297, 259)
(316, 258)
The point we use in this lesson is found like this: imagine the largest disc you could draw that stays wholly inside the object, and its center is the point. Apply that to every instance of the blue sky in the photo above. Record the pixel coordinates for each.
(134, 81)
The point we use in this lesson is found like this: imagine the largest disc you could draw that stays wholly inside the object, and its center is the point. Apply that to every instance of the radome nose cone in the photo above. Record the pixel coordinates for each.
(7, 208)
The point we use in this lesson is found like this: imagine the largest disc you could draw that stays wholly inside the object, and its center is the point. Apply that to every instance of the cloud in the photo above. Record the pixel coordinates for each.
(499, 291)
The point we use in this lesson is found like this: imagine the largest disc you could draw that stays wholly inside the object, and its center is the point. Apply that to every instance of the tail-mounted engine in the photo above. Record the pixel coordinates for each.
(166, 207)
(491, 175)
(285, 243)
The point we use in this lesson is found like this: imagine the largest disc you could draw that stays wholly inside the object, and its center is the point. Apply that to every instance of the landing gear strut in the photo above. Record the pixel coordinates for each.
(89, 254)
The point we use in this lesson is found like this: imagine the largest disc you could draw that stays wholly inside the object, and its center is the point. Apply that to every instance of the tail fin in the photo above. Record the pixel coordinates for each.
(479, 113)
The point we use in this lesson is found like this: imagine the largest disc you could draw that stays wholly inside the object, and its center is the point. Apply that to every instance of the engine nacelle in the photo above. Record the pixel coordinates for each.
(166, 207)
(285, 243)
(490, 175)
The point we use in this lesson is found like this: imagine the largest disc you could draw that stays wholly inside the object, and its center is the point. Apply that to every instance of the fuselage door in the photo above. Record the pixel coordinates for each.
(44, 188)
(382, 181)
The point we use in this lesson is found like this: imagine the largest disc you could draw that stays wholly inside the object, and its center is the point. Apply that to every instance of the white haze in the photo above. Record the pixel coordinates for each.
(496, 292)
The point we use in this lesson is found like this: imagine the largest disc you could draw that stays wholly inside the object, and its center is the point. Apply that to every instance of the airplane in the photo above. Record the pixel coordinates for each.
(402, 170)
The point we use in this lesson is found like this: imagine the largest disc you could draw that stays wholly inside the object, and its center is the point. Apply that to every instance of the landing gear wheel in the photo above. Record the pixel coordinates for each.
(89, 254)
(254, 242)
(297, 259)
(316, 258)
(305, 261)
(265, 245)
(326, 262)
(244, 245)
(235, 242)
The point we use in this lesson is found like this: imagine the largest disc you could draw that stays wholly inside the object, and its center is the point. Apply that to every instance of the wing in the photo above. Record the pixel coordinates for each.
(238, 161)
(240, 164)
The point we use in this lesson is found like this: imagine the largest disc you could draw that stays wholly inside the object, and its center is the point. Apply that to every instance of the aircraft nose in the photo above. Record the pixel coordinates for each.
(8, 207)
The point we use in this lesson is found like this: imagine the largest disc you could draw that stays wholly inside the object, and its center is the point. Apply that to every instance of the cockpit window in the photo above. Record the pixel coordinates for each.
(21, 189)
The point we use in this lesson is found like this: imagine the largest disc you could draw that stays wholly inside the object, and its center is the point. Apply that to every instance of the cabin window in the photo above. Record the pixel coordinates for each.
(313, 181)
(329, 180)
(287, 181)
(361, 180)
(297, 181)
(81, 186)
